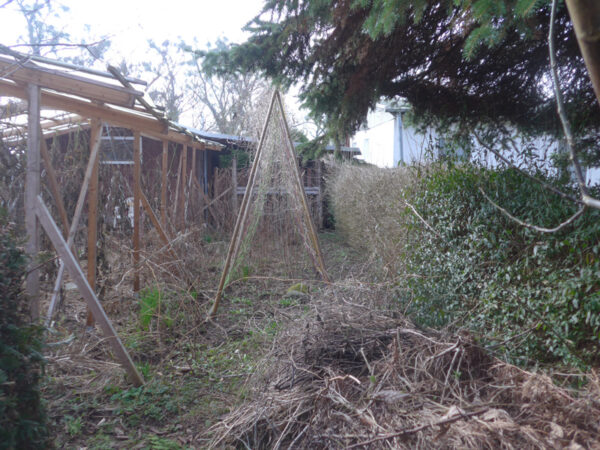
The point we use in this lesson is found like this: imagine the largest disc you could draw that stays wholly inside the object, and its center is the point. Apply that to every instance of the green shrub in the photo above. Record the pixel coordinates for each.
(529, 294)
(22, 416)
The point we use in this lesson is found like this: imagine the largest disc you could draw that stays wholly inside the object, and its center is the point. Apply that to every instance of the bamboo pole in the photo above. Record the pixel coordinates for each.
(62, 248)
(308, 219)
(32, 190)
(242, 215)
(137, 175)
(163, 186)
(95, 134)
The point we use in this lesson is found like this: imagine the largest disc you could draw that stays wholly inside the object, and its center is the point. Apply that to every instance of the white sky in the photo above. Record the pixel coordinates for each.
(130, 23)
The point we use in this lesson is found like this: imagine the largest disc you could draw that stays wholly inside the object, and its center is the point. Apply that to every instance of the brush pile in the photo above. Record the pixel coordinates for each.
(351, 376)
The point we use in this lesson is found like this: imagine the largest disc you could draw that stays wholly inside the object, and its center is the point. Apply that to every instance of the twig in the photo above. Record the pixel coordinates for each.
(559, 227)
(429, 227)
(560, 106)
(408, 431)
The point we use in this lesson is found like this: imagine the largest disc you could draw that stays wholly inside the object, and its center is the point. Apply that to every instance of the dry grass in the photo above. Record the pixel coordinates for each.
(348, 375)
(369, 205)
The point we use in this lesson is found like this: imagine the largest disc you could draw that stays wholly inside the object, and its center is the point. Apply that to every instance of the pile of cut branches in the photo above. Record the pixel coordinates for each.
(347, 376)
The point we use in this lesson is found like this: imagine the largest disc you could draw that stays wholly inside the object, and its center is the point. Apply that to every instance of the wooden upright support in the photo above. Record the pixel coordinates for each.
(32, 190)
(92, 230)
(137, 180)
(163, 186)
(234, 185)
(183, 188)
(319, 170)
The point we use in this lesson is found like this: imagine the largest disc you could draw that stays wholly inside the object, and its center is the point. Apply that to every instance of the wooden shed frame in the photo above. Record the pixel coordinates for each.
(90, 97)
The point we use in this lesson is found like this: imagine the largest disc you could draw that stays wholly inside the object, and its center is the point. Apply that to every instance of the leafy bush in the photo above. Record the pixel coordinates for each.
(457, 261)
(22, 416)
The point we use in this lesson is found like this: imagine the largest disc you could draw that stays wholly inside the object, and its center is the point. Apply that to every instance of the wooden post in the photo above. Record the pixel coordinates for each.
(319, 193)
(183, 188)
(191, 197)
(176, 202)
(86, 291)
(163, 186)
(32, 190)
(95, 135)
(92, 231)
(137, 179)
(234, 185)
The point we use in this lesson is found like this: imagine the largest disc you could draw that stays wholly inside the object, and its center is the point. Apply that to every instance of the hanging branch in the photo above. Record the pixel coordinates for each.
(586, 198)
(562, 225)
(545, 185)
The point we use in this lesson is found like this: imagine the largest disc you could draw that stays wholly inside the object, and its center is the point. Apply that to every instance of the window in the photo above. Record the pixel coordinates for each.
(116, 146)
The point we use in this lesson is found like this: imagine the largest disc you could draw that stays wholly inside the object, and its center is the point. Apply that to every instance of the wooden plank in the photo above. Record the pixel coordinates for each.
(163, 186)
(32, 190)
(67, 83)
(137, 175)
(92, 231)
(95, 135)
(53, 185)
(86, 291)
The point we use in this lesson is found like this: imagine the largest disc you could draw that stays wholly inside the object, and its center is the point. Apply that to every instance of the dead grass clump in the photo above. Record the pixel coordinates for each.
(348, 376)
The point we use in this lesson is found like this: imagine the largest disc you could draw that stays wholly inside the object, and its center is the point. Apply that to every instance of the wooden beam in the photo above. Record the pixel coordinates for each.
(86, 291)
(148, 125)
(95, 135)
(163, 185)
(137, 175)
(92, 231)
(32, 190)
(67, 83)
(112, 115)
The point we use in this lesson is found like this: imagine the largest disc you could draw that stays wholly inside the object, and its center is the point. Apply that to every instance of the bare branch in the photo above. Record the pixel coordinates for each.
(586, 198)
(525, 173)
(562, 225)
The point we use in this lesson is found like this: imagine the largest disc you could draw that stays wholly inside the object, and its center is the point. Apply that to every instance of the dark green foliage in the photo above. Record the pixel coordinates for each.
(465, 61)
(22, 416)
(530, 294)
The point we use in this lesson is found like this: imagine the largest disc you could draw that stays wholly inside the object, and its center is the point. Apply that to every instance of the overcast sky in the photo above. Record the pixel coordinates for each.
(130, 23)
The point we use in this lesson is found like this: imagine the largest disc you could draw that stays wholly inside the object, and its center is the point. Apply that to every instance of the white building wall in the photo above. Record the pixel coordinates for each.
(376, 142)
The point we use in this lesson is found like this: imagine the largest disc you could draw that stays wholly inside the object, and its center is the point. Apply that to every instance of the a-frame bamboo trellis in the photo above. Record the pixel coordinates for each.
(238, 231)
